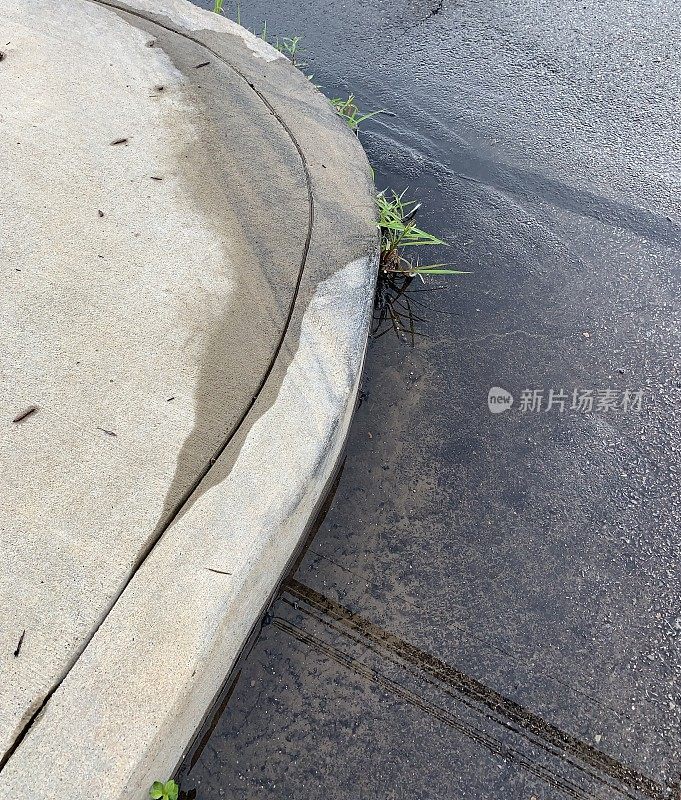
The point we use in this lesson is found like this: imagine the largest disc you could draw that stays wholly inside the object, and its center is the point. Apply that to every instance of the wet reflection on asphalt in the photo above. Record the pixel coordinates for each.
(491, 606)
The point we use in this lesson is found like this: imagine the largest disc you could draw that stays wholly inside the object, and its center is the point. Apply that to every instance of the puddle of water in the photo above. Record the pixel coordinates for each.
(490, 606)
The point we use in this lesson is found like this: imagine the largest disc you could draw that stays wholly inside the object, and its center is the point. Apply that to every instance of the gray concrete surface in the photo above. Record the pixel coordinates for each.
(188, 248)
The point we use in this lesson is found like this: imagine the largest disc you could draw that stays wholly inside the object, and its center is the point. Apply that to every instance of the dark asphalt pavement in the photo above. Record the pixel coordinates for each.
(491, 607)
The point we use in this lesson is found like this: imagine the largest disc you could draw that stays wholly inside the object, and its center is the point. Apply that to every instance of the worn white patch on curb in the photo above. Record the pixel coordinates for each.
(318, 379)
(192, 18)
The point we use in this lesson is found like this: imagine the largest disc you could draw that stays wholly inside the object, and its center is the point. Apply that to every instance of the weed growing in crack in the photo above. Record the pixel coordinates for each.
(348, 110)
(218, 8)
(164, 791)
(393, 306)
(290, 47)
(397, 224)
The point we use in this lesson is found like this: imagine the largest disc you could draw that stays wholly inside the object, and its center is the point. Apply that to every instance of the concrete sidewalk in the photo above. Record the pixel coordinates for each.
(189, 249)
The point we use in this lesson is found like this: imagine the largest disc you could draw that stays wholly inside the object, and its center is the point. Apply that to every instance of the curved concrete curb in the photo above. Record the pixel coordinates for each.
(126, 709)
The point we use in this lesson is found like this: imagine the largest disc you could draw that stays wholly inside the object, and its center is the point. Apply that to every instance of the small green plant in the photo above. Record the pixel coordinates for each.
(395, 297)
(348, 110)
(397, 224)
(290, 47)
(164, 791)
(218, 8)
(287, 45)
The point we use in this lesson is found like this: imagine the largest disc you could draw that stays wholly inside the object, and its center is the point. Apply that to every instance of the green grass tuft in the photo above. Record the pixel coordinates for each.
(348, 110)
(290, 47)
(397, 224)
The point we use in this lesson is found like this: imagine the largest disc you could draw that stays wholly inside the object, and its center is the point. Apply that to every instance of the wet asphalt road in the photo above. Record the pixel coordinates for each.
(491, 606)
